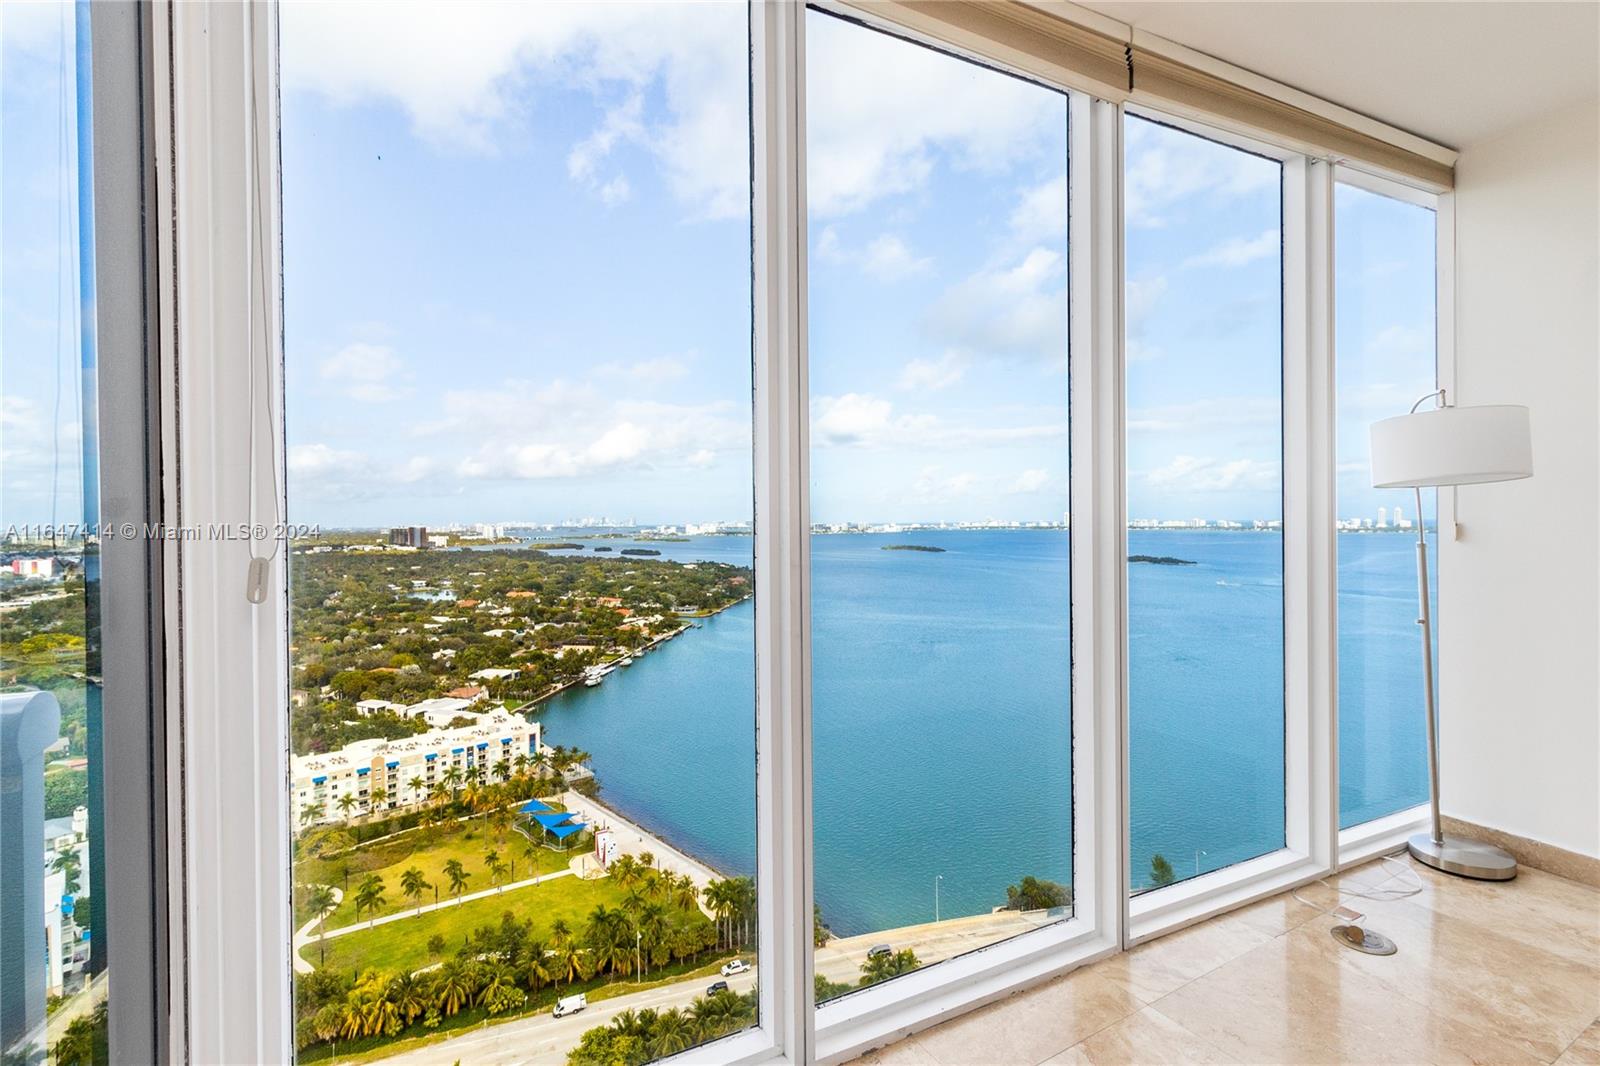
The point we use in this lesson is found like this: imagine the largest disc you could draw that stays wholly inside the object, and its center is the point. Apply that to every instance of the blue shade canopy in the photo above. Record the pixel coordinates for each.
(552, 819)
(562, 832)
(534, 807)
(391, 765)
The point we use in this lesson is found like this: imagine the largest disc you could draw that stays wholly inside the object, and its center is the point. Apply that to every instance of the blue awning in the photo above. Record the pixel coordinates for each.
(363, 771)
(319, 780)
(505, 740)
(562, 832)
(534, 807)
(552, 819)
(391, 765)
(431, 756)
(457, 751)
(482, 744)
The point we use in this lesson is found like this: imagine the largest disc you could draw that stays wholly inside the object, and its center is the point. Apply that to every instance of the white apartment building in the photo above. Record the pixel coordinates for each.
(407, 769)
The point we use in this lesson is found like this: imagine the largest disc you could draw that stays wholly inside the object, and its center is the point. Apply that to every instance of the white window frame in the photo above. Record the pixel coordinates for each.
(228, 668)
(1384, 834)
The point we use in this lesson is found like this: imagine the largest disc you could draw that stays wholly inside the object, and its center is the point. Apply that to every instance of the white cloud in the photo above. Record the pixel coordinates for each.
(888, 259)
(1030, 481)
(1239, 251)
(1041, 213)
(1141, 296)
(932, 374)
(468, 75)
(1188, 473)
(644, 372)
(365, 372)
(1167, 167)
(864, 420)
(1017, 310)
(1398, 342)
(880, 111)
(1251, 413)
(885, 258)
(932, 485)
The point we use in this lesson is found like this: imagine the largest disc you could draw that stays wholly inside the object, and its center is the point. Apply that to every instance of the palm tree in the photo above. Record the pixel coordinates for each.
(415, 785)
(409, 995)
(322, 902)
(609, 937)
(439, 792)
(312, 812)
(672, 1033)
(684, 893)
(452, 780)
(654, 927)
(455, 986)
(70, 867)
(458, 876)
(624, 871)
(413, 885)
(346, 803)
(530, 851)
(538, 969)
(502, 769)
(379, 795)
(369, 896)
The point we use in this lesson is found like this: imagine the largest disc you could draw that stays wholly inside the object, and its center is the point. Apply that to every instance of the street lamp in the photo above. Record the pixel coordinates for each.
(638, 938)
(1198, 852)
(936, 879)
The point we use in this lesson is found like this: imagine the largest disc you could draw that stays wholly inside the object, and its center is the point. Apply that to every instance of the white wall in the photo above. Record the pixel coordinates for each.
(1520, 591)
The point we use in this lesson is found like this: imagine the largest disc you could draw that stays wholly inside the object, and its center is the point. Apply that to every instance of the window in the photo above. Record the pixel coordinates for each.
(518, 365)
(1205, 504)
(1384, 307)
(940, 620)
(54, 948)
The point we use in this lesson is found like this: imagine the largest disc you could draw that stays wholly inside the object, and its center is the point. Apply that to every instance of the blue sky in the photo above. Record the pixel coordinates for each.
(517, 279)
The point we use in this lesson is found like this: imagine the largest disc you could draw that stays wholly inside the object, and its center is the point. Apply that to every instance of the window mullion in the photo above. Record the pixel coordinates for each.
(782, 557)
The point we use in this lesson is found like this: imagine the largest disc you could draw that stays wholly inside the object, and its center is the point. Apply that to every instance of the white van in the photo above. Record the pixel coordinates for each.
(571, 1005)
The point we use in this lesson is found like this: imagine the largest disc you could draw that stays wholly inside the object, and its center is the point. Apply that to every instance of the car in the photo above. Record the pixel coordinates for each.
(734, 967)
(571, 1005)
(879, 949)
(715, 987)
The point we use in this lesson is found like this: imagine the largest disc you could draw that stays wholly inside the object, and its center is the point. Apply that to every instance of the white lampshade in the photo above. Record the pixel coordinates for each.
(1452, 446)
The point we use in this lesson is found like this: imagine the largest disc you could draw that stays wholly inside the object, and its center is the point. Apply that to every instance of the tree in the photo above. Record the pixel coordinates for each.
(379, 796)
(346, 803)
(322, 902)
(1035, 894)
(820, 933)
(70, 867)
(436, 945)
(458, 877)
(455, 986)
(369, 896)
(882, 967)
(413, 885)
(409, 995)
(1161, 874)
(312, 812)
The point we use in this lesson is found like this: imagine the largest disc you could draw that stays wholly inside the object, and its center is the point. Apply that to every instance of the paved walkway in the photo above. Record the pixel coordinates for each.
(631, 840)
(303, 937)
(412, 912)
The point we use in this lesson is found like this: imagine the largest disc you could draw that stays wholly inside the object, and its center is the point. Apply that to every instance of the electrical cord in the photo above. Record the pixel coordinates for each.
(1378, 893)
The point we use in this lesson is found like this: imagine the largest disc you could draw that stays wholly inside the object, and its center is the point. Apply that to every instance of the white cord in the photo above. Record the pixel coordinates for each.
(1378, 893)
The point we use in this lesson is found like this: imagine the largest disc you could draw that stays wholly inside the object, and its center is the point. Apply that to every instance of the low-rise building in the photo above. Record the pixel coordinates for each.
(406, 769)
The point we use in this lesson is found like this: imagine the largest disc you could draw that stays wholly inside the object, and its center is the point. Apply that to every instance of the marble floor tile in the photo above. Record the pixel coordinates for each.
(1146, 1037)
(1584, 1051)
(1031, 1026)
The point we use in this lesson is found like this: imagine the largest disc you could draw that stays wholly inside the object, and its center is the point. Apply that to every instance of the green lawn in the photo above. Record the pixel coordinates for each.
(403, 945)
(465, 841)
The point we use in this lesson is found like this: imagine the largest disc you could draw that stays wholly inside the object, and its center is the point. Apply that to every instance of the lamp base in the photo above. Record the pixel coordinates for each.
(1464, 858)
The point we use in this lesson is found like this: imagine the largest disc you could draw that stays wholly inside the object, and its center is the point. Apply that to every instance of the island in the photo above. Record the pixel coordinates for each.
(639, 551)
(910, 548)
(601, 548)
(1160, 560)
(555, 546)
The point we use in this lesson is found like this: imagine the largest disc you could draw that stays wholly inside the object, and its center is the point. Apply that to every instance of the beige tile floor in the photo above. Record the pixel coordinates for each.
(1486, 973)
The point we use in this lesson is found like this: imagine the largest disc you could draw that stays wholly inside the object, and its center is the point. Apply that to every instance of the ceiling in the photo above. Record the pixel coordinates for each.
(1453, 72)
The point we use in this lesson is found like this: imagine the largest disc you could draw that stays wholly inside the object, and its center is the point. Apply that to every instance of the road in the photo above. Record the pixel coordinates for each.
(543, 1038)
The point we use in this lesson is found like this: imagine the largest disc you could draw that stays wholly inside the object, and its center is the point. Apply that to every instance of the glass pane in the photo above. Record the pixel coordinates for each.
(1205, 500)
(1384, 305)
(517, 301)
(52, 902)
(941, 657)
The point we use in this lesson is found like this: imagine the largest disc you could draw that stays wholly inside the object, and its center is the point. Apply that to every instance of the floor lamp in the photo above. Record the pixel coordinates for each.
(1449, 446)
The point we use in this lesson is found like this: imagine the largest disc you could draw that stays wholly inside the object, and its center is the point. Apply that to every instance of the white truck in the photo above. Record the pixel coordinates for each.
(571, 1005)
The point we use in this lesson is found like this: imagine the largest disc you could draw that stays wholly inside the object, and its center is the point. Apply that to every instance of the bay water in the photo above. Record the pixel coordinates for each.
(942, 739)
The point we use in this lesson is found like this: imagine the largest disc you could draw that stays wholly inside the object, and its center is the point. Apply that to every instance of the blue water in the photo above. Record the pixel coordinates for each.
(941, 727)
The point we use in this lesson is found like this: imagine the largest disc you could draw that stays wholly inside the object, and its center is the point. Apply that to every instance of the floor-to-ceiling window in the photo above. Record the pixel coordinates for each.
(1205, 504)
(1385, 343)
(940, 621)
(517, 325)
(53, 937)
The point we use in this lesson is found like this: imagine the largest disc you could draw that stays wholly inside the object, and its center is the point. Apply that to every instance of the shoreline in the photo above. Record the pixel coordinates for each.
(600, 816)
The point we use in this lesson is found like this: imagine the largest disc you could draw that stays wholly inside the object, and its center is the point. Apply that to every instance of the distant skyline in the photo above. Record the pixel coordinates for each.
(517, 281)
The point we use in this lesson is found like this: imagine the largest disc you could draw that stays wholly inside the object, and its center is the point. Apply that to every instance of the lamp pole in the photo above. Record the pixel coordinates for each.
(638, 938)
(936, 879)
(1198, 852)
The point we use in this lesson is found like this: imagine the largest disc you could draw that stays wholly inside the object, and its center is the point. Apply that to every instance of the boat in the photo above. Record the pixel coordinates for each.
(626, 661)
